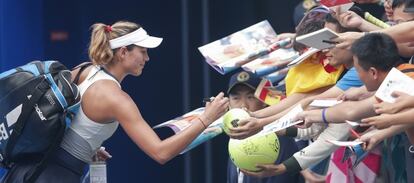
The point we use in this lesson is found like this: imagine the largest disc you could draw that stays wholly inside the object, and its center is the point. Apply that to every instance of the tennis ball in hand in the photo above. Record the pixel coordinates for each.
(232, 117)
(257, 149)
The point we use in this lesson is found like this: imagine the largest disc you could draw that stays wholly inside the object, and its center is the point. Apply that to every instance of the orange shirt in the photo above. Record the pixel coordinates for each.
(407, 69)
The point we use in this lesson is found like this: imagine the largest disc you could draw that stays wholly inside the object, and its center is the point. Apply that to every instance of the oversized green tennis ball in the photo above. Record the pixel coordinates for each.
(232, 117)
(257, 149)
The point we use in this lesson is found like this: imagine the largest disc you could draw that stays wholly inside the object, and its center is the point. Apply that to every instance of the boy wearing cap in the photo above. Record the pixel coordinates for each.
(241, 90)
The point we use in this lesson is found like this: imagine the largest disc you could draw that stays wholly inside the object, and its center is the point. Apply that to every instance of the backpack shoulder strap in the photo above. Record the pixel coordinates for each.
(81, 67)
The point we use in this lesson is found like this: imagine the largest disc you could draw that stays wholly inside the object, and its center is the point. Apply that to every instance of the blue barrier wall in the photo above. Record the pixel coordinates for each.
(21, 32)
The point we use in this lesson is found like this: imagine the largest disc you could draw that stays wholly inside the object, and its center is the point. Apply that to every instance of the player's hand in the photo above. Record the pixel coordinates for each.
(215, 109)
(102, 155)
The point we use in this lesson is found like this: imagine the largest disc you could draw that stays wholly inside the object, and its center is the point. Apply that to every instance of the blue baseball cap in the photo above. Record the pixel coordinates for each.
(245, 78)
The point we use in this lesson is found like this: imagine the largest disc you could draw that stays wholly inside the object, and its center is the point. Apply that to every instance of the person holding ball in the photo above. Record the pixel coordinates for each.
(242, 86)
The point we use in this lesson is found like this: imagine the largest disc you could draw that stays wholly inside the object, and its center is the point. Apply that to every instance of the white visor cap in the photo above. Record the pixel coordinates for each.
(139, 37)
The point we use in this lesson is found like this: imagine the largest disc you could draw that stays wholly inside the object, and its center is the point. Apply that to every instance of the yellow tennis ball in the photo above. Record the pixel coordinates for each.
(257, 149)
(232, 117)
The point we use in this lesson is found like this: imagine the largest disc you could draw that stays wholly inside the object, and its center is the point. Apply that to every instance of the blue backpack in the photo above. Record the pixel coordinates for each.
(37, 103)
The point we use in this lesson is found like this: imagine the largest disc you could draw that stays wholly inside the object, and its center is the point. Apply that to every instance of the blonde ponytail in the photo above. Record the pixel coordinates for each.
(100, 51)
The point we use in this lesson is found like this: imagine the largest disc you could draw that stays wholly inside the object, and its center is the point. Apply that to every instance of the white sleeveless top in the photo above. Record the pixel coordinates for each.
(84, 137)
